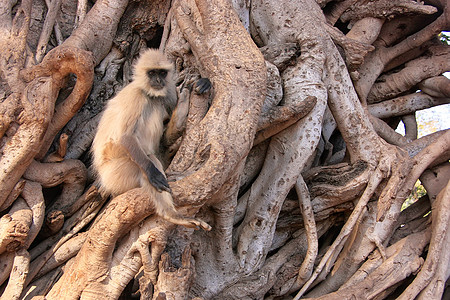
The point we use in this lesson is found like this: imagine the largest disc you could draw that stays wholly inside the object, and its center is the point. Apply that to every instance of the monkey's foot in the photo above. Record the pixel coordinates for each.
(188, 222)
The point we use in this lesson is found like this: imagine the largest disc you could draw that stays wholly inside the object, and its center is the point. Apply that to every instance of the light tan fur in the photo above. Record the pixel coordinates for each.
(140, 111)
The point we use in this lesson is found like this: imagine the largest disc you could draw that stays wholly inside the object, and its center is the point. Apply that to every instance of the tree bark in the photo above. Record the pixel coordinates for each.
(292, 157)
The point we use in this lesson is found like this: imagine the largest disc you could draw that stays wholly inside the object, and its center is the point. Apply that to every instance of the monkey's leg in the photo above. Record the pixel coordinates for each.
(161, 196)
(188, 222)
(168, 212)
(165, 208)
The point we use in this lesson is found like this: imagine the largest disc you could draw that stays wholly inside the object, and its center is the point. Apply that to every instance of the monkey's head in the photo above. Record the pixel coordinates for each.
(153, 72)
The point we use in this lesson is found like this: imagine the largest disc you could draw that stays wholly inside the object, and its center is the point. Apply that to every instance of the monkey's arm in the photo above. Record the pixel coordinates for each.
(147, 166)
(177, 121)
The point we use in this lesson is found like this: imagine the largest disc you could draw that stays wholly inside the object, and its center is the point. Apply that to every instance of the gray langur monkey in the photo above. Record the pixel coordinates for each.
(126, 147)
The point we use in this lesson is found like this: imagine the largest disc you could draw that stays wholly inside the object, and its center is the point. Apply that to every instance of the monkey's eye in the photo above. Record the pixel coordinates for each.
(163, 73)
(151, 73)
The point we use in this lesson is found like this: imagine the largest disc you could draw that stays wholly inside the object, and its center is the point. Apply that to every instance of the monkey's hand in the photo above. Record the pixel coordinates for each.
(145, 163)
(156, 178)
(202, 86)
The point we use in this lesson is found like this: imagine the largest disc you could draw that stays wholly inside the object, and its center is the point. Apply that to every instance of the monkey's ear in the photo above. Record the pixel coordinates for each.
(202, 86)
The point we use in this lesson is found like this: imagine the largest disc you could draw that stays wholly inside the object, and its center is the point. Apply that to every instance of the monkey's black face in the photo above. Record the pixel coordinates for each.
(157, 78)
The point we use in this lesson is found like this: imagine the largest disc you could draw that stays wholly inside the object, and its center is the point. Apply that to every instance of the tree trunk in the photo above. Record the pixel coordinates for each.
(292, 157)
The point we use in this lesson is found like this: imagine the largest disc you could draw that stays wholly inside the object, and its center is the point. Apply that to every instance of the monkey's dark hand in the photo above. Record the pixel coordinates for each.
(157, 179)
(202, 86)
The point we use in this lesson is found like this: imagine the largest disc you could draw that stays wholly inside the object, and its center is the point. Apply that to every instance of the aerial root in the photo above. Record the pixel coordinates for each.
(375, 179)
